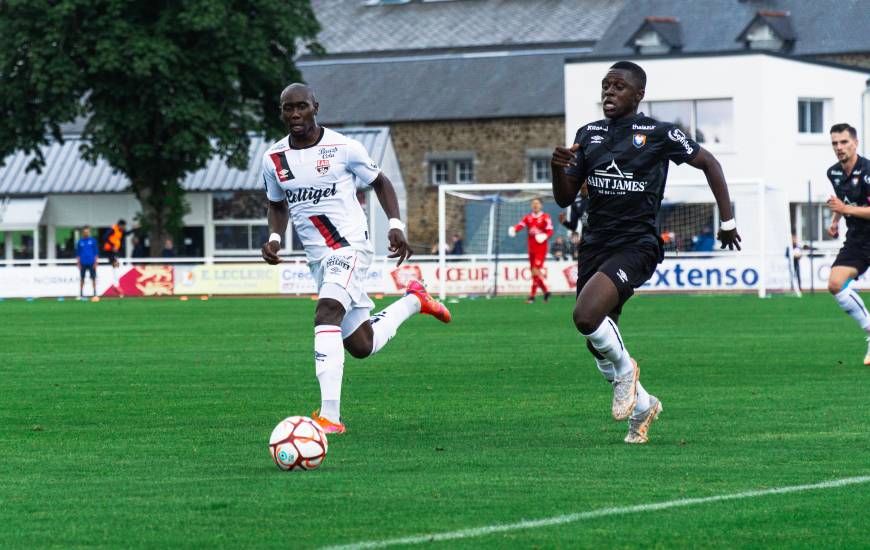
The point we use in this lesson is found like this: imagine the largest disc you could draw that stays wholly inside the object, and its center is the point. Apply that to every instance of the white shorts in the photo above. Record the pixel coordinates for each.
(341, 276)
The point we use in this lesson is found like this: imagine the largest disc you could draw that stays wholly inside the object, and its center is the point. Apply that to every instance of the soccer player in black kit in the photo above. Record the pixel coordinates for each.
(851, 180)
(623, 159)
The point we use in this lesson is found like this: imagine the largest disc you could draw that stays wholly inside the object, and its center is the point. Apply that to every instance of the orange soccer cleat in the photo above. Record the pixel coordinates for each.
(428, 304)
(327, 425)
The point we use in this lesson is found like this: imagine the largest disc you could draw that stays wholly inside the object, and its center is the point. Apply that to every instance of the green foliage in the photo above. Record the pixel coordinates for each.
(164, 84)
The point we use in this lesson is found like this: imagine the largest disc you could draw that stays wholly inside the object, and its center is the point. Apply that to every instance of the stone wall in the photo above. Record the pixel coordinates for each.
(853, 59)
(499, 148)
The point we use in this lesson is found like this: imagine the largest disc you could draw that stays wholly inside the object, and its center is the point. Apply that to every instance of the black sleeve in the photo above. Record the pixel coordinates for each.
(679, 147)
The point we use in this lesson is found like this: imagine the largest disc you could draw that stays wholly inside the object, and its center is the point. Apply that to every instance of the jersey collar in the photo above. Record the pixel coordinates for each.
(860, 166)
(315, 144)
(624, 121)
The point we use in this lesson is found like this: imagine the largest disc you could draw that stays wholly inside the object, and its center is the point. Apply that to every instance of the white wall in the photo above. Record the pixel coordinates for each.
(74, 210)
(765, 90)
(377, 218)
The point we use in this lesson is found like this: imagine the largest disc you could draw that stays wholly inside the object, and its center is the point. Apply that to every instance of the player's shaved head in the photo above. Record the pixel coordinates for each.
(298, 90)
(299, 112)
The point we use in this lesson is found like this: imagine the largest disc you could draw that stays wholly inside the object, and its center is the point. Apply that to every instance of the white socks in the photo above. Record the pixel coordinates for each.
(608, 342)
(387, 321)
(852, 304)
(606, 369)
(642, 401)
(329, 366)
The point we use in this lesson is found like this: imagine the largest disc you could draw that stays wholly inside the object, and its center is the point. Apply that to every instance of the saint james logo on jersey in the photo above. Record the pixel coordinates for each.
(282, 167)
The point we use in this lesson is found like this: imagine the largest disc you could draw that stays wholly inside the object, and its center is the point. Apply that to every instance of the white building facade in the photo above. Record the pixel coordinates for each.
(41, 214)
(765, 117)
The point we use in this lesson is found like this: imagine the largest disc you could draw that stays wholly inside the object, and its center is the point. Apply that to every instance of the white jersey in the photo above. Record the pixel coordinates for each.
(318, 184)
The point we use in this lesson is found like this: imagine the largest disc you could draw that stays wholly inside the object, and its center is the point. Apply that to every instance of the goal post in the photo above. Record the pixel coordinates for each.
(688, 220)
(484, 242)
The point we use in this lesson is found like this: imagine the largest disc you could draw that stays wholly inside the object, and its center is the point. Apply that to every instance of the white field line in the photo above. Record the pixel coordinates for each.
(580, 516)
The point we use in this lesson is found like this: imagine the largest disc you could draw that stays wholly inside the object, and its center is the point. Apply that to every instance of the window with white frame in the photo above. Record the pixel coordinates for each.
(811, 116)
(439, 172)
(451, 167)
(707, 121)
(464, 171)
(811, 222)
(240, 225)
(539, 169)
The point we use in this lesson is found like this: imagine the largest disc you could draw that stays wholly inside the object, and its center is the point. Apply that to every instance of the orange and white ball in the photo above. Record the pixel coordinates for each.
(298, 443)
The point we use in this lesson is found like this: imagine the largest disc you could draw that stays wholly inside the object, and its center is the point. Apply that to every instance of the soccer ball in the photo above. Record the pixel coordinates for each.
(298, 443)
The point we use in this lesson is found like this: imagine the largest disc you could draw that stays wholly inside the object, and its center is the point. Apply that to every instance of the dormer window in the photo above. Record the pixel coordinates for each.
(650, 42)
(656, 35)
(769, 30)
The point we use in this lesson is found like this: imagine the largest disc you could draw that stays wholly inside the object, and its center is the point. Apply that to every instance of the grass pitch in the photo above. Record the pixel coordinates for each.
(145, 423)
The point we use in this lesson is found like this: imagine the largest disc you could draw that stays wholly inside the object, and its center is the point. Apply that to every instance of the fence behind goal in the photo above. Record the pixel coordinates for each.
(491, 262)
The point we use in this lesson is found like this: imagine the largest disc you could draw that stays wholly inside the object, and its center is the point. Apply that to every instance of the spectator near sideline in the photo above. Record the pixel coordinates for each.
(705, 241)
(796, 254)
(575, 246)
(560, 249)
(168, 248)
(456, 247)
(87, 258)
(112, 242)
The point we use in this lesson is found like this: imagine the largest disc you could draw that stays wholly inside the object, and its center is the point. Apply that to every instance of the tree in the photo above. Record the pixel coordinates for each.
(163, 85)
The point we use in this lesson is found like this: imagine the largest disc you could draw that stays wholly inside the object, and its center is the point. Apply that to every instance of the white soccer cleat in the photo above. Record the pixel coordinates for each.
(639, 425)
(867, 357)
(625, 393)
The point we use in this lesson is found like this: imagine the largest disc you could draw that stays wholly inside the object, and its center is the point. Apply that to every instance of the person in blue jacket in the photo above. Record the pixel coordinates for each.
(87, 258)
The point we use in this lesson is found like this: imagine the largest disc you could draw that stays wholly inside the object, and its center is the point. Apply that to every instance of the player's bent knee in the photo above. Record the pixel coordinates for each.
(837, 284)
(585, 321)
(358, 350)
(329, 312)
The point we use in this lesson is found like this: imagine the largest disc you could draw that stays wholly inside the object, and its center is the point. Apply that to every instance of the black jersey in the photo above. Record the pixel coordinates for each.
(854, 188)
(624, 162)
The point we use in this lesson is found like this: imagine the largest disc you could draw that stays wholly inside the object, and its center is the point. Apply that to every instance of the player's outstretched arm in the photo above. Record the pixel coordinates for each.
(278, 216)
(390, 203)
(707, 163)
(565, 186)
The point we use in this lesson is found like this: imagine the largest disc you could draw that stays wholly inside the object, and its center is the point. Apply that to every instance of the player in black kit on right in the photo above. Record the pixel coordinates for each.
(624, 161)
(850, 178)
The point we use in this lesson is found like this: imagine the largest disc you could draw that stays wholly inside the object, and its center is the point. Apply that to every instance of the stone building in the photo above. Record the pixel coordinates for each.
(472, 91)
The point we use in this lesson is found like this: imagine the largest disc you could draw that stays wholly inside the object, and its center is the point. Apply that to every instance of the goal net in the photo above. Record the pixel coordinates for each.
(478, 216)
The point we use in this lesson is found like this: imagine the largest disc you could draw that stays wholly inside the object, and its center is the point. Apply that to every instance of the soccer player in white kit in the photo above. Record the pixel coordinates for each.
(309, 176)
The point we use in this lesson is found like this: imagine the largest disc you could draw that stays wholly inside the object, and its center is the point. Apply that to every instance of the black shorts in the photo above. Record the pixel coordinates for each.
(111, 256)
(83, 269)
(853, 256)
(628, 267)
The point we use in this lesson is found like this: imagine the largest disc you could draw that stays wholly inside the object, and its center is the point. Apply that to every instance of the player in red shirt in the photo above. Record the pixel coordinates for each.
(540, 228)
